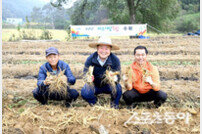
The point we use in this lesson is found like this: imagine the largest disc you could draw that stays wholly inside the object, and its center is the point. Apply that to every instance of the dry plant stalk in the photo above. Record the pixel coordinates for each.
(128, 77)
(145, 73)
(129, 73)
(88, 76)
(109, 79)
(58, 83)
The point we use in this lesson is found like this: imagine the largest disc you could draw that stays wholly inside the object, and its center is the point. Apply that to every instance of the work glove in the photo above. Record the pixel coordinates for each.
(149, 80)
(125, 78)
(115, 78)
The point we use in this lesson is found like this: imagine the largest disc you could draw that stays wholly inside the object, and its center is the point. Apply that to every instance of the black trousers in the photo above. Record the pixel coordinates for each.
(133, 95)
(42, 95)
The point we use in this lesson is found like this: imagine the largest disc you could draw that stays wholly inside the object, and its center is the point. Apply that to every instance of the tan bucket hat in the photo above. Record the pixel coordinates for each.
(104, 40)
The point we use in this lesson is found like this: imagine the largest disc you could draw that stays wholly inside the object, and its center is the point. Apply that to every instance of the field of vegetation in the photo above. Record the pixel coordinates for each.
(60, 35)
(178, 61)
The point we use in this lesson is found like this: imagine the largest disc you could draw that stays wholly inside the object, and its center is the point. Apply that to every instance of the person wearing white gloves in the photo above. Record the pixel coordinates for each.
(145, 83)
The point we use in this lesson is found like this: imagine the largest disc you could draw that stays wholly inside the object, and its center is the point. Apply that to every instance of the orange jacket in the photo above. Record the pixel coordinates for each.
(138, 82)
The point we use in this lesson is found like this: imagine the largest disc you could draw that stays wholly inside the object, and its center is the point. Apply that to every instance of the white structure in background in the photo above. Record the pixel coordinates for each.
(14, 21)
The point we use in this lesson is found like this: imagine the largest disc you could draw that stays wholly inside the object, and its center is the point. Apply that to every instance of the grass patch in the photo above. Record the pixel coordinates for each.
(22, 62)
(17, 104)
(56, 34)
(188, 22)
(7, 33)
(126, 63)
(62, 34)
(30, 62)
(151, 34)
(164, 63)
(21, 110)
(157, 63)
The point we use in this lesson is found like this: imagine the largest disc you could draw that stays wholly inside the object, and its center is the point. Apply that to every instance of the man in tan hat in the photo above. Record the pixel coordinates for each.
(103, 60)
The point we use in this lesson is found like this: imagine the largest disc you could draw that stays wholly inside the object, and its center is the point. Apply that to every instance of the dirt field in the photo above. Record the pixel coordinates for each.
(178, 60)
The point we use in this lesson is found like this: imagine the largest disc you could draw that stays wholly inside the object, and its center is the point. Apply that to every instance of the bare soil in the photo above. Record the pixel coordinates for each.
(178, 61)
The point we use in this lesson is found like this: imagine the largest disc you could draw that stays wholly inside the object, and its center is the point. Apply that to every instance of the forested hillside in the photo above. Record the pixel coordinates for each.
(19, 8)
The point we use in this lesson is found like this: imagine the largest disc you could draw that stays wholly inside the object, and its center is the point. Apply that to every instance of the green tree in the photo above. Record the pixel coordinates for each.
(27, 22)
(78, 12)
(131, 6)
(118, 11)
(158, 13)
(190, 6)
(89, 12)
(36, 15)
(49, 15)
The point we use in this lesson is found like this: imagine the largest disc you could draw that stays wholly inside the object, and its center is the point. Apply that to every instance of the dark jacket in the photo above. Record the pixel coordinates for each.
(112, 62)
(60, 66)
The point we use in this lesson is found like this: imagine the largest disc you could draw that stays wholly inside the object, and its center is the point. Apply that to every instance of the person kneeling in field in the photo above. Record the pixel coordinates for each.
(142, 81)
(103, 68)
(53, 79)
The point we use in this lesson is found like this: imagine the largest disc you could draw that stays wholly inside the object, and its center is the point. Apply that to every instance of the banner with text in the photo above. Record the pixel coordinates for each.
(108, 30)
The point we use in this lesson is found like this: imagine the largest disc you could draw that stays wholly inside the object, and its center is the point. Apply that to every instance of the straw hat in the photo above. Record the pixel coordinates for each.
(104, 40)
